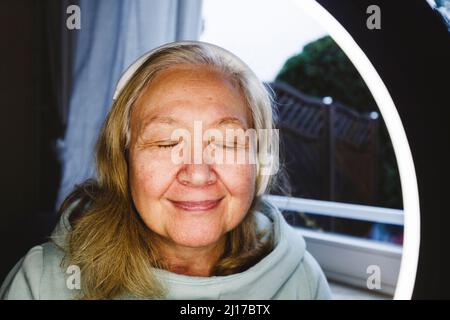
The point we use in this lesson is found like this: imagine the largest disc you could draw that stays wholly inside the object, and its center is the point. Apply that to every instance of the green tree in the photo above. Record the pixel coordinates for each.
(322, 69)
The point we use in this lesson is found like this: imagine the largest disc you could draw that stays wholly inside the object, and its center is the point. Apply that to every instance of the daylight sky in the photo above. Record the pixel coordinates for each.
(263, 33)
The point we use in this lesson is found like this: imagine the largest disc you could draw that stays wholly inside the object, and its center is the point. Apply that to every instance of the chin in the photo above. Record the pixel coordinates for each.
(198, 238)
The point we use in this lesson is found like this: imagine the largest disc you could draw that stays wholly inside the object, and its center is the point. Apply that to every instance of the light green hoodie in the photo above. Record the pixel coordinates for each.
(288, 272)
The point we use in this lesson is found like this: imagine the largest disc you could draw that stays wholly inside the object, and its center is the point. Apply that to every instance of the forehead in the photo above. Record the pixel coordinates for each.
(187, 93)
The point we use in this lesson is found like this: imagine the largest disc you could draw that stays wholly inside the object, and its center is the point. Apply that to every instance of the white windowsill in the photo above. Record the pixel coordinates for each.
(345, 259)
(345, 292)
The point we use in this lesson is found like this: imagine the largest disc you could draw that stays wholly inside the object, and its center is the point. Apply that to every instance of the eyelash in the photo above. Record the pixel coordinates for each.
(167, 146)
(223, 145)
(230, 145)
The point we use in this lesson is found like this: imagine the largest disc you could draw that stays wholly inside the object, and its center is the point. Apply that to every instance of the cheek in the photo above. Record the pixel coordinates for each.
(239, 180)
(149, 177)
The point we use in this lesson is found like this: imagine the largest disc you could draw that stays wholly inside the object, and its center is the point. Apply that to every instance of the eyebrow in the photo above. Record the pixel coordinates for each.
(160, 119)
(230, 120)
(170, 121)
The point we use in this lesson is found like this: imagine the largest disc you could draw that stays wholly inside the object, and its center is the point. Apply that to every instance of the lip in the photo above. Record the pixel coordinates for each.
(203, 205)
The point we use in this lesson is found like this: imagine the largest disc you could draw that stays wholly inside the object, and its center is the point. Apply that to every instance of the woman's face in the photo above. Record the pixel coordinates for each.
(188, 203)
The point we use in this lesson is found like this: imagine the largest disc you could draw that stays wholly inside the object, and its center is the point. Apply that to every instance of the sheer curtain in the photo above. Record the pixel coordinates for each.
(113, 34)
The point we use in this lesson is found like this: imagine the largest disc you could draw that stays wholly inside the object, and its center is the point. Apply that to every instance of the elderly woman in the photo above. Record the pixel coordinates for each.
(163, 220)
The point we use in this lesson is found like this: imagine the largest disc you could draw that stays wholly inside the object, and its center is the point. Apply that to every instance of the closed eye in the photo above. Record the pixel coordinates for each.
(168, 145)
(229, 144)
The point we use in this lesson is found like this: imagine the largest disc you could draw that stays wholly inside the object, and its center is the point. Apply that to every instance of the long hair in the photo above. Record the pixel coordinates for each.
(108, 240)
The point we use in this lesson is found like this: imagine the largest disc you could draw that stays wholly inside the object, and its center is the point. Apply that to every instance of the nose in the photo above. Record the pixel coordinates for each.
(197, 175)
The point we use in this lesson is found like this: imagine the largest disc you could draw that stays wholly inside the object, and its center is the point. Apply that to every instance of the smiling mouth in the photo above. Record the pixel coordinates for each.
(197, 205)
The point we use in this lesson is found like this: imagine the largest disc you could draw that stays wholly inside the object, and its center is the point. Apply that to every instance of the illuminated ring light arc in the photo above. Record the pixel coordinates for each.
(411, 208)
